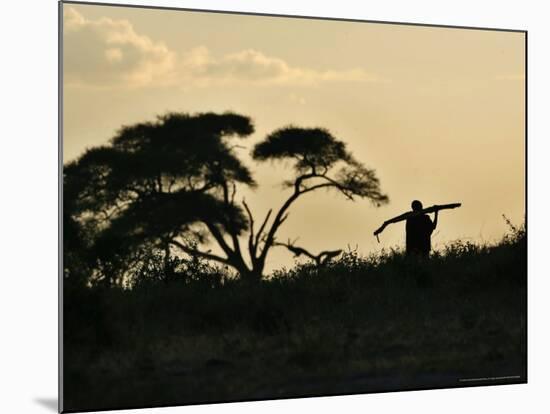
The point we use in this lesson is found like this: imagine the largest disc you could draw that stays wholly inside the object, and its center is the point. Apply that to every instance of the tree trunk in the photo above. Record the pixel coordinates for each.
(253, 275)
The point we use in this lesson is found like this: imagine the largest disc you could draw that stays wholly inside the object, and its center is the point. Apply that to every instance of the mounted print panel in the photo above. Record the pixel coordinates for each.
(261, 207)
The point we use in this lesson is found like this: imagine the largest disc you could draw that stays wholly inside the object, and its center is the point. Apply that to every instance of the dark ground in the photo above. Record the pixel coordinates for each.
(357, 325)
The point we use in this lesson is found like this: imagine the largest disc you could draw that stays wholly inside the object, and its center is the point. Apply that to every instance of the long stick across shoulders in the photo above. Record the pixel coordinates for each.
(410, 214)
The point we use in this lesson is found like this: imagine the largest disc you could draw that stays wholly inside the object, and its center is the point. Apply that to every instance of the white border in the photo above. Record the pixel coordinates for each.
(28, 364)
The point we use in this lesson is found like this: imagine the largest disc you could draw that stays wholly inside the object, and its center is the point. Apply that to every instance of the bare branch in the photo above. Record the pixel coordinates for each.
(251, 246)
(300, 180)
(228, 200)
(298, 191)
(327, 255)
(225, 193)
(283, 218)
(298, 251)
(343, 189)
(330, 183)
(319, 259)
(196, 252)
(233, 192)
(275, 225)
(219, 238)
(262, 227)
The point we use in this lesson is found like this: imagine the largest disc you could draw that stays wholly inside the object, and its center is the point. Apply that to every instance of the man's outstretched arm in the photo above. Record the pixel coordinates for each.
(397, 219)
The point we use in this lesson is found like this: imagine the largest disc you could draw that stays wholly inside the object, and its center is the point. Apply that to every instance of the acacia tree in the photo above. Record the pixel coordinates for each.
(152, 184)
(171, 185)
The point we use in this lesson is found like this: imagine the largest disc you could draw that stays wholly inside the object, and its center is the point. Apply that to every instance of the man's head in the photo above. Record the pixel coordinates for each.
(416, 205)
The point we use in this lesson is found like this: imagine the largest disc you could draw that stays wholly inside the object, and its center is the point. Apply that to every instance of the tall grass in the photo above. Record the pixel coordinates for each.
(357, 324)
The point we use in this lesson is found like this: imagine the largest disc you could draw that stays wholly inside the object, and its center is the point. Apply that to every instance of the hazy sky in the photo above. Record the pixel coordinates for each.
(439, 113)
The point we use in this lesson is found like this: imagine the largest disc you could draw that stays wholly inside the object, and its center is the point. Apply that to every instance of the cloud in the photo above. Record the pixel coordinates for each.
(106, 52)
(252, 66)
(110, 53)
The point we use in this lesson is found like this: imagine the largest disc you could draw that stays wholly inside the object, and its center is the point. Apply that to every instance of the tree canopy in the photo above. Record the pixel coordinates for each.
(316, 153)
(171, 185)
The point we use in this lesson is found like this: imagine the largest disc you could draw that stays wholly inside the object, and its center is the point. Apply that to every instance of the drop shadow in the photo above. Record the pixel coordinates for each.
(49, 403)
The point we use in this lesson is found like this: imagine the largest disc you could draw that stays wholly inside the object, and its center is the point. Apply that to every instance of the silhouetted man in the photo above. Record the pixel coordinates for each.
(419, 231)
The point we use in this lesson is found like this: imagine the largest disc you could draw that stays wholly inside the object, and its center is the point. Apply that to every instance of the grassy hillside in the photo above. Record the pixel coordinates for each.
(358, 324)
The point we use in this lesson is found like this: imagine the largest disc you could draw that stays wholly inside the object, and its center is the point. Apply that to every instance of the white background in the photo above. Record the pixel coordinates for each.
(28, 205)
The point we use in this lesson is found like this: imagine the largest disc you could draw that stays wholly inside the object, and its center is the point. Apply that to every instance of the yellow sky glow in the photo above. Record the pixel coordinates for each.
(438, 112)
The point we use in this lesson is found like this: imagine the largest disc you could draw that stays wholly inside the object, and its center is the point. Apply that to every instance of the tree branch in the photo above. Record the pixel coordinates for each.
(225, 193)
(262, 227)
(233, 192)
(251, 246)
(330, 183)
(228, 200)
(277, 221)
(281, 215)
(315, 187)
(219, 238)
(196, 252)
(319, 259)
